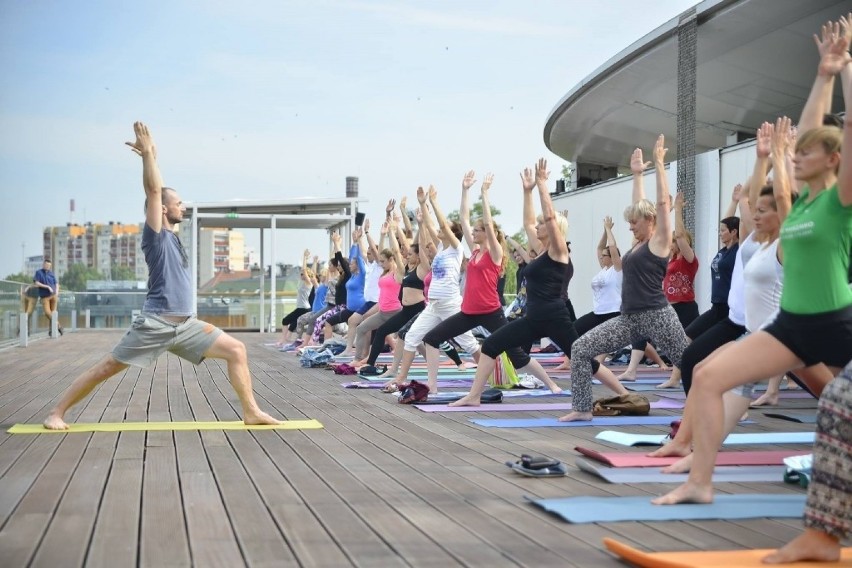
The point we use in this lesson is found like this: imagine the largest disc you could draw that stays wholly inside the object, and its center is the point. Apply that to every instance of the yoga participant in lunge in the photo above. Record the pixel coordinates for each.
(606, 290)
(372, 273)
(304, 298)
(354, 287)
(167, 321)
(444, 299)
(645, 312)
(814, 324)
(546, 312)
(409, 275)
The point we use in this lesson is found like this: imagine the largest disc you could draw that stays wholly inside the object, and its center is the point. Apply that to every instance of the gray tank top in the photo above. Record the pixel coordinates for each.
(169, 280)
(642, 286)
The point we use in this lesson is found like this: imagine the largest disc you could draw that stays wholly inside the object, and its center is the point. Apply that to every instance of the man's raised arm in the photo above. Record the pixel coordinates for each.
(151, 178)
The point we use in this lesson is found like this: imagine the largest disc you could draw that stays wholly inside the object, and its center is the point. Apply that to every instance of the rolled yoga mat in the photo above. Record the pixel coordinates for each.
(725, 473)
(628, 439)
(639, 459)
(724, 507)
(151, 426)
(709, 558)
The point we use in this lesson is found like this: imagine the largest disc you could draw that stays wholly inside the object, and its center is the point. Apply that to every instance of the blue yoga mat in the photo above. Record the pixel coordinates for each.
(553, 422)
(614, 509)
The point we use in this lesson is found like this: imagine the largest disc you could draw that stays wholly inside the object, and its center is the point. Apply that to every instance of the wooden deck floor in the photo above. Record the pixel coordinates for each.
(382, 484)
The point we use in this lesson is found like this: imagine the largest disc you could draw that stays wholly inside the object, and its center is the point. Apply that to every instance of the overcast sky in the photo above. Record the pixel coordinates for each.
(284, 99)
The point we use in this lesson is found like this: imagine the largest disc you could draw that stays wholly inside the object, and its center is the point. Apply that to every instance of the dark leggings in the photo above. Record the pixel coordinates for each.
(525, 330)
(340, 317)
(702, 346)
(393, 325)
(716, 313)
(289, 321)
(590, 321)
(462, 322)
(687, 313)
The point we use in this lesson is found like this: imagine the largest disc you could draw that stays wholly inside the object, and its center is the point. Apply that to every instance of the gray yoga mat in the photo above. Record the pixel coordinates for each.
(808, 417)
(784, 394)
(733, 474)
(554, 422)
(614, 509)
(629, 439)
(530, 407)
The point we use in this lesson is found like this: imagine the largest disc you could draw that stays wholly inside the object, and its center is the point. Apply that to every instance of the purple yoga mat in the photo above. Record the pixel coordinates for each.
(504, 407)
(378, 384)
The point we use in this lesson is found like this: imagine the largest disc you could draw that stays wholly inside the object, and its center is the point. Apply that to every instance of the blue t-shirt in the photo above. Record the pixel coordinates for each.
(48, 278)
(169, 280)
(319, 297)
(721, 270)
(355, 284)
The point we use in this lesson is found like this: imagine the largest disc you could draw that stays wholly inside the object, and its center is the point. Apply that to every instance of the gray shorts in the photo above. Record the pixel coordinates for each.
(149, 336)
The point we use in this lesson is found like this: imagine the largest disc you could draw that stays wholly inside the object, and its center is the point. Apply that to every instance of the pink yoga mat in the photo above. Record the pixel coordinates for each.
(531, 407)
(637, 459)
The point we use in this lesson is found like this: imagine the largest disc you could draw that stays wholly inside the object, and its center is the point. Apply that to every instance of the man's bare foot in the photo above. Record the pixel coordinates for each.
(683, 465)
(627, 376)
(686, 493)
(673, 448)
(55, 422)
(469, 400)
(669, 384)
(576, 417)
(766, 399)
(810, 545)
(259, 417)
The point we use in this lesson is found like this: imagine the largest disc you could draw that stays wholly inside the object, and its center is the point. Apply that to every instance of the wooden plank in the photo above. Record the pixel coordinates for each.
(163, 538)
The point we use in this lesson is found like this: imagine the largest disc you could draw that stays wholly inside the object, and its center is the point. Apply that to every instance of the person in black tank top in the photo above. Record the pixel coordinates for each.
(645, 312)
(410, 273)
(546, 312)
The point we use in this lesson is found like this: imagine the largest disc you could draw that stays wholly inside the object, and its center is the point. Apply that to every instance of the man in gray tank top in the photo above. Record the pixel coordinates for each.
(167, 321)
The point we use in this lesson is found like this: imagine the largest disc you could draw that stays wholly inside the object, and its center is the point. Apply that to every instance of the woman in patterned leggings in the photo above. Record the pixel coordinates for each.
(828, 512)
(645, 312)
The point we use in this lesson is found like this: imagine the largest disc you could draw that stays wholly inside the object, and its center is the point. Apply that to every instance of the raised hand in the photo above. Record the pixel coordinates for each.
(781, 139)
(764, 140)
(421, 195)
(834, 48)
(418, 214)
(608, 224)
(316, 259)
(660, 151)
(737, 193)
(541, 173)
(390, 206)
(397, 218)
(366, 226)
(637, 163)
(307, 254)
(144, 143)
(433, 194)
(335, 237)
(527, 179)
(486, 183)
(385, 228)
(678, 201)
(468, 180)
(402, 203)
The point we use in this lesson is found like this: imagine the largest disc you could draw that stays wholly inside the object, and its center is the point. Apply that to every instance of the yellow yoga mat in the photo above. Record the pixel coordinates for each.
(709, 559)
(150, 426)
